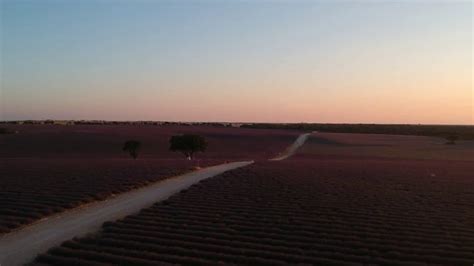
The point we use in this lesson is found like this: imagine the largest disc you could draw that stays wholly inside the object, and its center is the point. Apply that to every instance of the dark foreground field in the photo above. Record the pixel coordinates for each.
(312, 208)
(46, 169)
(43, 187)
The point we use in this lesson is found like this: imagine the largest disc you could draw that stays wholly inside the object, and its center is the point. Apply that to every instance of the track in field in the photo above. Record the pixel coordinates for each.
(330, 211)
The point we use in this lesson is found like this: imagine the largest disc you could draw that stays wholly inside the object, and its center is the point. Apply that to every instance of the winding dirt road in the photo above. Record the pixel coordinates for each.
(22, 246)
(293, 148)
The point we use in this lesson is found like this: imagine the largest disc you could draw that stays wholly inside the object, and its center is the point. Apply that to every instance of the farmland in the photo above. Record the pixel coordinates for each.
(465, 132)
(387, 146)
(47, 169)
(236, 132)
(43, 187)
(328, 208)
(105, 141)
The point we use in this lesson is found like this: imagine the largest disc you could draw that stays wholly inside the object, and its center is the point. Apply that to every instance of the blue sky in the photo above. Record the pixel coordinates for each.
(313, 61)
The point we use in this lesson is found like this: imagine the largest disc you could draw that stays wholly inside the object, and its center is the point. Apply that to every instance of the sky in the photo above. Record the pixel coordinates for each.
(238, 61)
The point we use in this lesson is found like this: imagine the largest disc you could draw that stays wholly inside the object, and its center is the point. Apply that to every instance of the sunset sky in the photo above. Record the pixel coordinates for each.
(252, 61)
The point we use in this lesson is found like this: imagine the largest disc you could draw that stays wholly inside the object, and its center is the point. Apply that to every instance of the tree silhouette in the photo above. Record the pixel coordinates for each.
(188, 144)
(452, 139)
(132, 147)
(4, 131)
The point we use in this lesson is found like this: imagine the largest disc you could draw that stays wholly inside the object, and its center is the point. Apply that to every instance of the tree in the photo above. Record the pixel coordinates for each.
(188, 144)
(5, 131)
(132, 147)
(452, 139)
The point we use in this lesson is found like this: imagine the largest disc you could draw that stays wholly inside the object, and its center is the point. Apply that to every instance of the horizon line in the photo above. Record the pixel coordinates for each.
(225, 122)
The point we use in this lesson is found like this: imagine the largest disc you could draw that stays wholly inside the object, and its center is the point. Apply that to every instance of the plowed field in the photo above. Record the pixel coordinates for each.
(46, 169)
(308, 209)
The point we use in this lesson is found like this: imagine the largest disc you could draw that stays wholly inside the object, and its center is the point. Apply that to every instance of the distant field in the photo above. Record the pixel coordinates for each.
(308, 209)
(465, 132)
(46, 169)
(386, 146)
(105, 141)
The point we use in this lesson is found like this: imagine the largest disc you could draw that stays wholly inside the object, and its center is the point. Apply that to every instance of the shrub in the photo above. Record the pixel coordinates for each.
(452, 139)
(132, 147)
(4, 131)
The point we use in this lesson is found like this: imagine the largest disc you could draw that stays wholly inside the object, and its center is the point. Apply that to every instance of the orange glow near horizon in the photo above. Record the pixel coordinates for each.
(407, 63)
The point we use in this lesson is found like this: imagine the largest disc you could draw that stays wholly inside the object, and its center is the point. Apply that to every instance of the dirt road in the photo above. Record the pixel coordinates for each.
(19, 247)
(293, 148)
(22, 246)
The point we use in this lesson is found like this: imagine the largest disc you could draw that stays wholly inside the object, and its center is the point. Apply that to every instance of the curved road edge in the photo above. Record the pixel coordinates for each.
(20, 247)
(290, 151)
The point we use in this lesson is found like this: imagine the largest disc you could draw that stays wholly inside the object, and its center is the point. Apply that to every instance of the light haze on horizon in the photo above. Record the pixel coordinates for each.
(249, 61)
